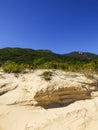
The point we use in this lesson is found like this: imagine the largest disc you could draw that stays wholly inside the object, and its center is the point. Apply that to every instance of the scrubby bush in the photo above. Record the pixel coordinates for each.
(47, 75)
(12, 67)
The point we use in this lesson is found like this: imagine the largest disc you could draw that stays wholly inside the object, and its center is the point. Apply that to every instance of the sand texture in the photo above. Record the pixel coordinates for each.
(69, 101)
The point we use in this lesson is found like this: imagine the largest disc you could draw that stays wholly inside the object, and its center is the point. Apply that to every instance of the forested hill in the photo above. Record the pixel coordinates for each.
(81, 56)
(21, 55)
(44, 58)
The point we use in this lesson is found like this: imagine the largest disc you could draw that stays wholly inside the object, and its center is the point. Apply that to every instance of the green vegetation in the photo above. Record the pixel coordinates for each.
(13, 67)
(16, 59)
(47, 75)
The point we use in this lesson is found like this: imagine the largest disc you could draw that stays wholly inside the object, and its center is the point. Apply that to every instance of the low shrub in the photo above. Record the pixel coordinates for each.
(13, 67)
(47, 75)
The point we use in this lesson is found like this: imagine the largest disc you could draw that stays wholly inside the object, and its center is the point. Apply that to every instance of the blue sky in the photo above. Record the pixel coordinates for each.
(62, 26)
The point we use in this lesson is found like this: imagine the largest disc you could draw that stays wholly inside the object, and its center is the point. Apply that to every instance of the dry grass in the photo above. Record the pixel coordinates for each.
(62, 96)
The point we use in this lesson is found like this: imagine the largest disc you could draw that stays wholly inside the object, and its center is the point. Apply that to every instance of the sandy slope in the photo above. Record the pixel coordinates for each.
(17, 99)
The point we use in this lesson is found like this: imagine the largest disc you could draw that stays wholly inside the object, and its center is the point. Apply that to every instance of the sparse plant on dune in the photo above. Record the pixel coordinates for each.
(47, 75)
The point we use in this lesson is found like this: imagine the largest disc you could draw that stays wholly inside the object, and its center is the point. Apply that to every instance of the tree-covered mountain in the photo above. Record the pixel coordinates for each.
(80, 56)
(47, 58)
(20, 55)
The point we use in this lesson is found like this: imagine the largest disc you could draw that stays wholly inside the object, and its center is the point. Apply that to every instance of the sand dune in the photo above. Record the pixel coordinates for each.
(18, 110)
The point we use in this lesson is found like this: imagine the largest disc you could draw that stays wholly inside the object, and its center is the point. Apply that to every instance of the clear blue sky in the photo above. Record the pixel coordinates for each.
(59, 25)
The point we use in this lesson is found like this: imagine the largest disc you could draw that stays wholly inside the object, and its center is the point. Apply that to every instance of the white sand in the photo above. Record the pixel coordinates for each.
(18, 113)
